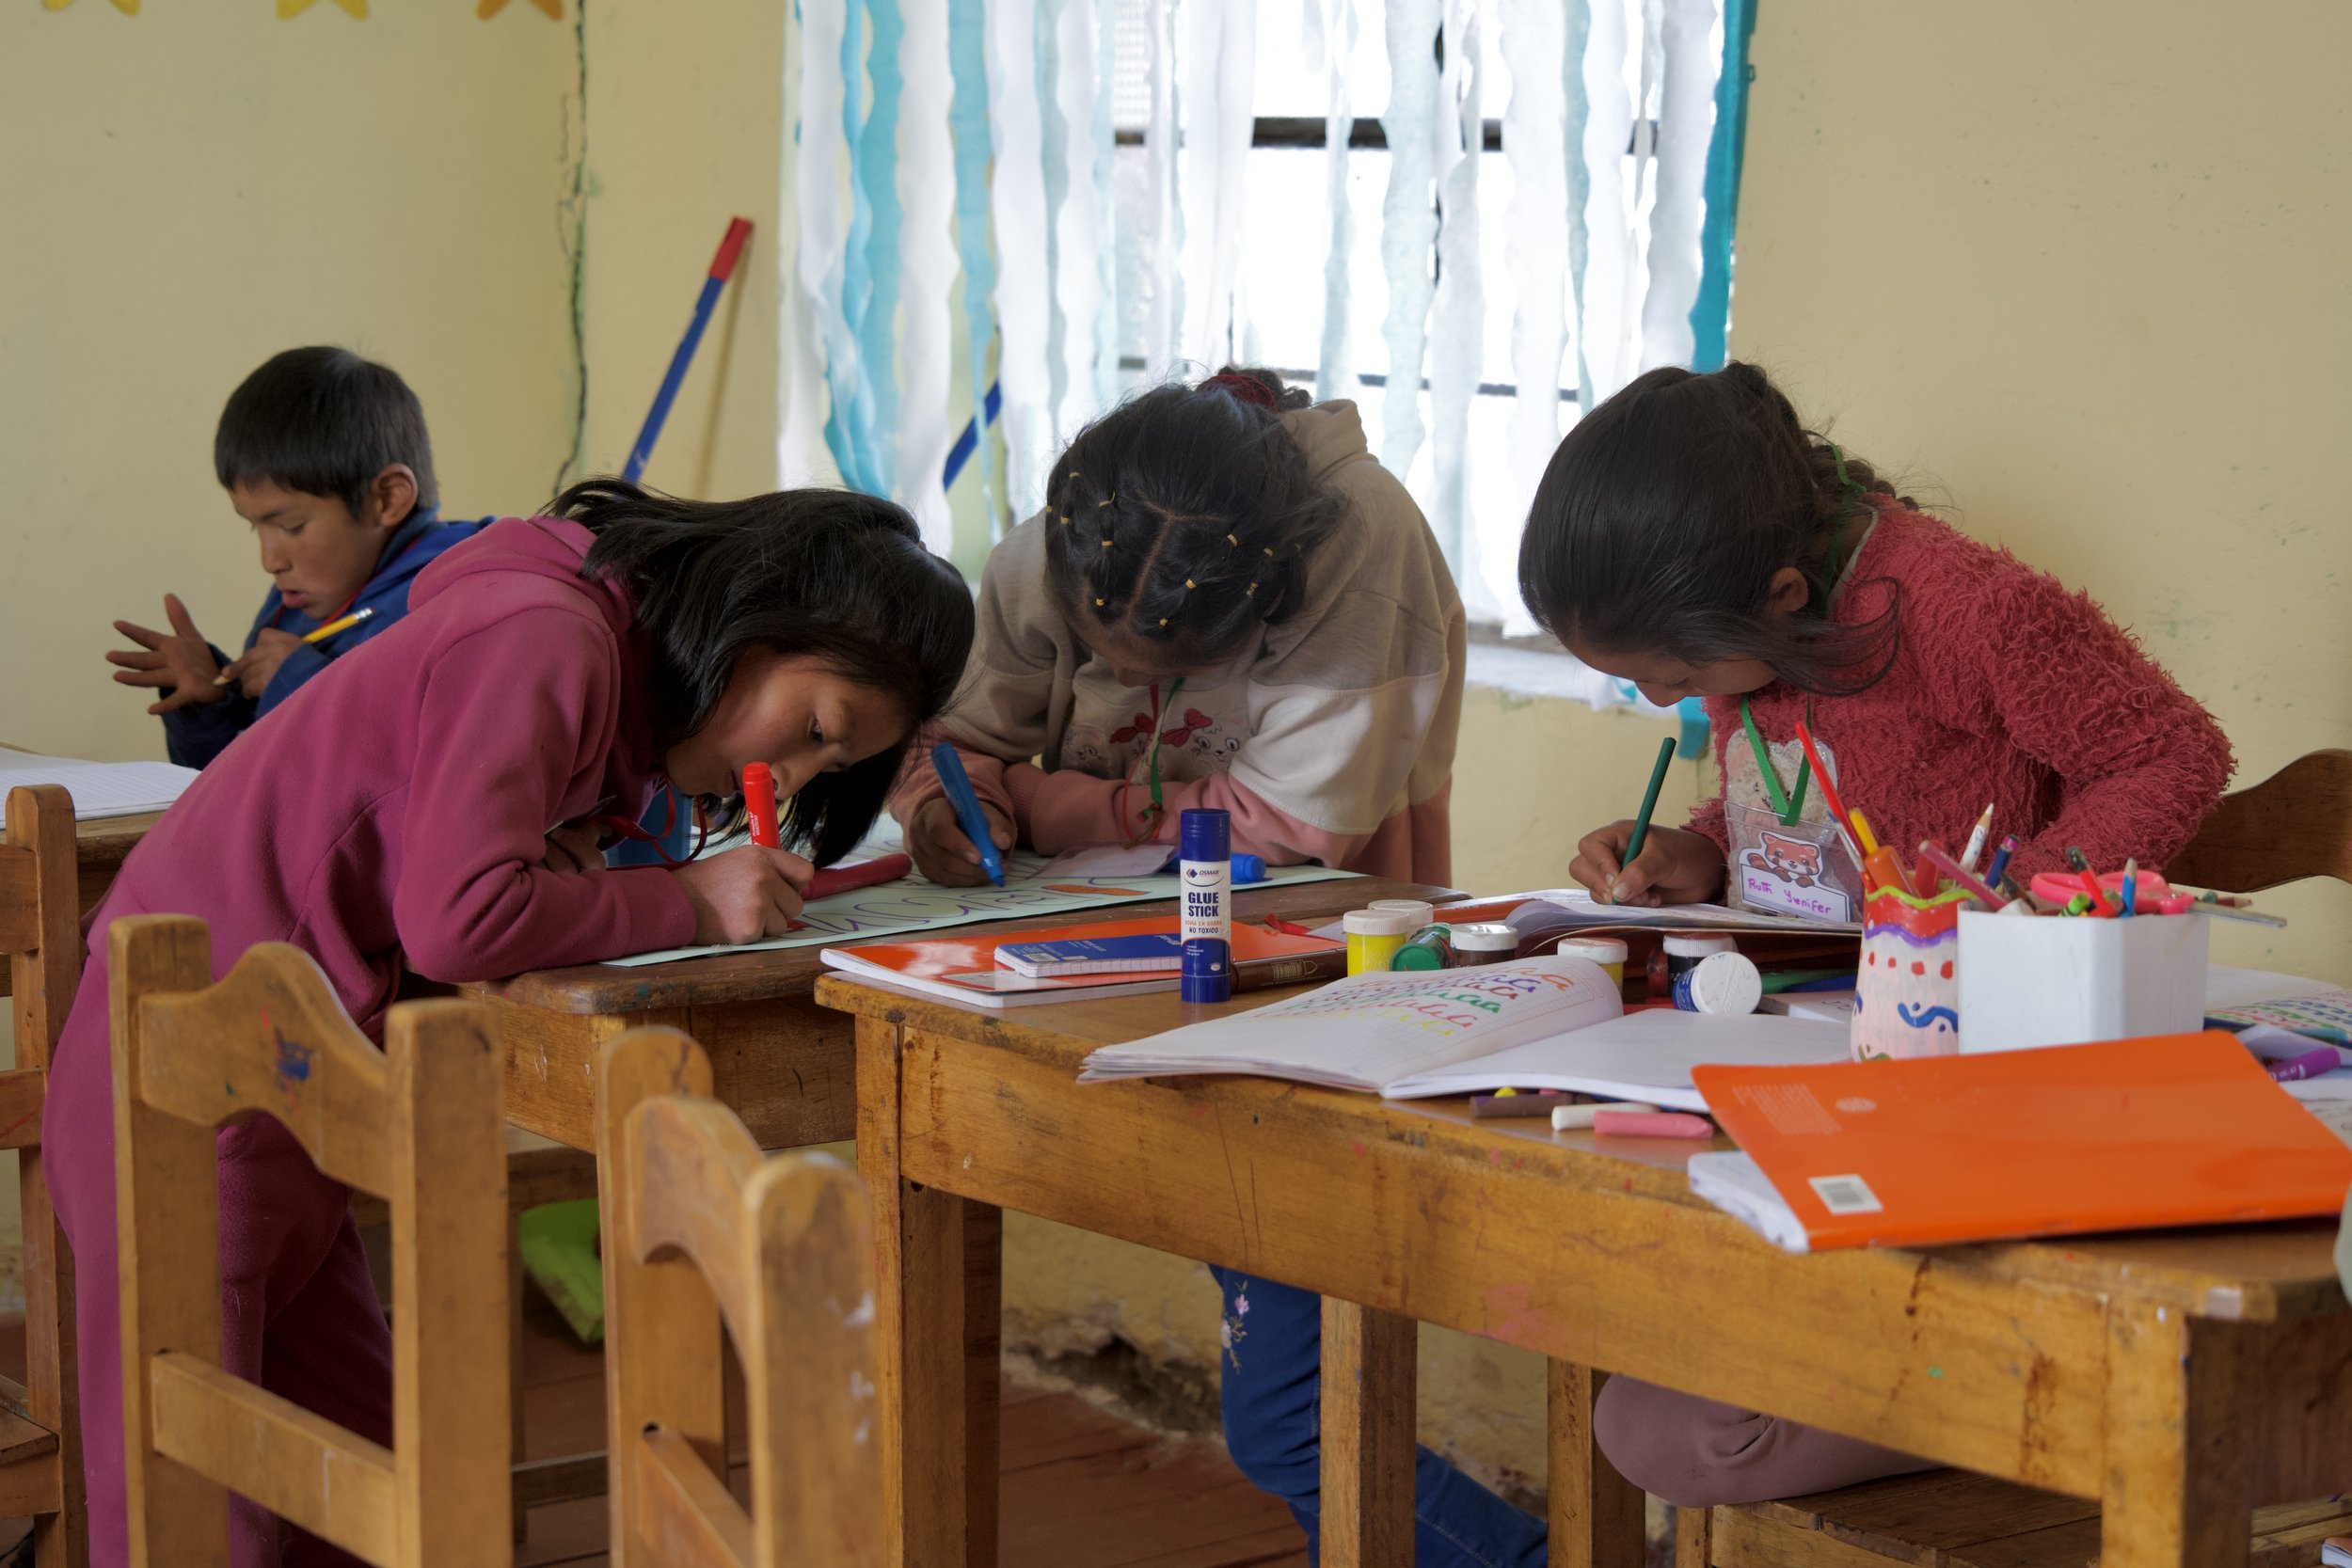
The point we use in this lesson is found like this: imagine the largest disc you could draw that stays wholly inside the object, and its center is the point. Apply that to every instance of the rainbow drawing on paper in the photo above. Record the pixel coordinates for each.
(912, 904)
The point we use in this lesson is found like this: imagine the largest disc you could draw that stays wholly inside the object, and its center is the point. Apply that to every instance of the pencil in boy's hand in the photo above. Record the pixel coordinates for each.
(345, 624)
(1649, 804)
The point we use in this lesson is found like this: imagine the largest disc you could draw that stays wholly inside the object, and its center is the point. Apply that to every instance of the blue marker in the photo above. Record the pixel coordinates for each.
(957, 785)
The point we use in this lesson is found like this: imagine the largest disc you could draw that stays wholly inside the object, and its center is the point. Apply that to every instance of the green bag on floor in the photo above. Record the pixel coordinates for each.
(559, 1247)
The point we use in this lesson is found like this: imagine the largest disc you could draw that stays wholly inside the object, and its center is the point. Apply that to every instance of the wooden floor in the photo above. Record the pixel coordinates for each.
(1082, 1489)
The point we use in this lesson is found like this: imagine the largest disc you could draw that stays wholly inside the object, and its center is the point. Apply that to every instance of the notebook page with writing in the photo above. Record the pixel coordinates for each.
(1646, 1056)
(99, 788)
(1368, 1030)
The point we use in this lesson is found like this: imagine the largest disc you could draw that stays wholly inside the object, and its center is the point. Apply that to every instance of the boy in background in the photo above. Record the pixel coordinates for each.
(325, 455)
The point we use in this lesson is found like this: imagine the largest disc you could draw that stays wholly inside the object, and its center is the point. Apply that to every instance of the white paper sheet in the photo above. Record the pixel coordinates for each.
(100, 789)
(1646, 1056)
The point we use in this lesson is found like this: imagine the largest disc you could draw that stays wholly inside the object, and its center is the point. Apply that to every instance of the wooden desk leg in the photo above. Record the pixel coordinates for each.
(2177, 1441)
(1368, 1391)
(937, 1335)
(1596, 1512)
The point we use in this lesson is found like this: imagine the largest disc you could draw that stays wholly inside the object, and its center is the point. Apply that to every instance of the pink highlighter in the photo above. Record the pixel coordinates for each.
(1651, 1124)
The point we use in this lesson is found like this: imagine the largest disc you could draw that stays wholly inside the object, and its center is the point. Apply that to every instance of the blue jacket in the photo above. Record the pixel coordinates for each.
(194, 735)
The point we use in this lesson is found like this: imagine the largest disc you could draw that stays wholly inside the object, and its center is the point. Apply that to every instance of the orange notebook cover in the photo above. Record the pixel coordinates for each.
(2123, 1135)
(964, 966)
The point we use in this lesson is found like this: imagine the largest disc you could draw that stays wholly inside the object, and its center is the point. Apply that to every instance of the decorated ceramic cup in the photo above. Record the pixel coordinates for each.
(1907, 993)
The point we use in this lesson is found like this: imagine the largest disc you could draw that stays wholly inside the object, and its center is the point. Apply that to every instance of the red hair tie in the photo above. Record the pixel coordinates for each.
(1249, 388)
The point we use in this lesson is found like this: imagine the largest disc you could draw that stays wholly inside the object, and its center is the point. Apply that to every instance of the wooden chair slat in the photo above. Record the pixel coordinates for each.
(31, 1486)
(686, 1162)
(20, 900)
(299, 1465)
(272, 1039)
(690, 1519)
(20, 1094)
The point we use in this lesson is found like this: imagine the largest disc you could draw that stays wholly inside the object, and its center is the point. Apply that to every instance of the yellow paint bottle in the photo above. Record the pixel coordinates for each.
(1374, 935)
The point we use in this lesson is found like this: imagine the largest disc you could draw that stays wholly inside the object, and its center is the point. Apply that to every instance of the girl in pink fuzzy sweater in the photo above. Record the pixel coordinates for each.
(1691, 536)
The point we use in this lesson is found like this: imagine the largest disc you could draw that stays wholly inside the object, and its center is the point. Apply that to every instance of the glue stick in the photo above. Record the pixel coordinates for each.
(1205, 872)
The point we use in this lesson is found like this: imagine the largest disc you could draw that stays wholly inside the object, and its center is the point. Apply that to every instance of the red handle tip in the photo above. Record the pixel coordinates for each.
(730, 250)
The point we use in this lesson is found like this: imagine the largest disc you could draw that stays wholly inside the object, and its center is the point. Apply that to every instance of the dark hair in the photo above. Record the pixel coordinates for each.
(830, 574)
(325, 423)
(1185, 516)
(1664, 514)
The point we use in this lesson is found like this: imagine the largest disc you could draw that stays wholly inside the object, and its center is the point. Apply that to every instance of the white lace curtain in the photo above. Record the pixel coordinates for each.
(1058, 198)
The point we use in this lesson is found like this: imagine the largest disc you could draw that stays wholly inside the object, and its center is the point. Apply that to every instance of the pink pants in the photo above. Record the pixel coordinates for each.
(299, 1310)
(1697, 1453)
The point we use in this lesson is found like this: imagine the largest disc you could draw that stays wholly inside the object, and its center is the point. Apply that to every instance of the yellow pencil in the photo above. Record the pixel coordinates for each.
(345, 625)
(321, 635)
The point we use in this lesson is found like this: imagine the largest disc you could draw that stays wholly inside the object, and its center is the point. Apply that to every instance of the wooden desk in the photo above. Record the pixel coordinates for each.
(779, 1061)
(100, 847)
(2183, 1378)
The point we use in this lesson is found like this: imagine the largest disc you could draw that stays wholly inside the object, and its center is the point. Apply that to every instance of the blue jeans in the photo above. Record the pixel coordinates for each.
(1273, 1393)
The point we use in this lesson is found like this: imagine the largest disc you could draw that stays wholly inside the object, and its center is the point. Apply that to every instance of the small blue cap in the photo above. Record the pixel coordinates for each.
(1248, 869)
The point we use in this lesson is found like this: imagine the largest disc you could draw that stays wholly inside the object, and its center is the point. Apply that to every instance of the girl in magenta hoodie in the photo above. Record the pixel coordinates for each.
(431, 802)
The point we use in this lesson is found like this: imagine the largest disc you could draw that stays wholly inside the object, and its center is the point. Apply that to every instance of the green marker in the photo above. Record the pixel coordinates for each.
(1649, 804)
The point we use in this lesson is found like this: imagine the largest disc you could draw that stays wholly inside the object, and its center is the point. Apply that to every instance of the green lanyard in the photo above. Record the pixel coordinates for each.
(1789, 806)
(1159, 710)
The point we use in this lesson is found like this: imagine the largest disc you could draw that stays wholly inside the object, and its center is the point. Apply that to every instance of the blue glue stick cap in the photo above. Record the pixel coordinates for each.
(1204, 836)
(1248, 869)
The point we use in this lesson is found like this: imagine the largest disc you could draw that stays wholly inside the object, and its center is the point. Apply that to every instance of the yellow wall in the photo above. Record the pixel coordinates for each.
(192, 188)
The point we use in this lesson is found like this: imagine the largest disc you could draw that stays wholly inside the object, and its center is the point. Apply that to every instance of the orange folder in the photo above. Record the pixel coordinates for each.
(2122, 1136)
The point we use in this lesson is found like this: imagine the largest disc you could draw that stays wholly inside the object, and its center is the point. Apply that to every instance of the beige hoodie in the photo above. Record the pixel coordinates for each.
(1331, 739)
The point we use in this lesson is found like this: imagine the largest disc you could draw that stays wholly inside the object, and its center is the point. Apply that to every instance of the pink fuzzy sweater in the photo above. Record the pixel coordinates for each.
(2009, 689)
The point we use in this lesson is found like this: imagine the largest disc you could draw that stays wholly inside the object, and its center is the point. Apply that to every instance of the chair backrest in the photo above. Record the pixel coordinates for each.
(701, 1230)
(2294, 824)
(417, 1124)
(42, 935)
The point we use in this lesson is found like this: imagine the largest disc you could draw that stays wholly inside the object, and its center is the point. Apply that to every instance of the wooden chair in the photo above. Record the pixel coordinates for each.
(703, 1236)
(2296, 824)
(40, 1428)
(416, 1123)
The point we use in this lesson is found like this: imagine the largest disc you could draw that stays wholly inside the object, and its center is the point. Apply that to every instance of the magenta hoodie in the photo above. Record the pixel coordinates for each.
(396, 807)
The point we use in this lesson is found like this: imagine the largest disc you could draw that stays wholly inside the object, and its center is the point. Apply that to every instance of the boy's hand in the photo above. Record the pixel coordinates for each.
(574, 847)
(941, 850)
(1677, 866)
(744, 895)
(179, 661)
(252, 671)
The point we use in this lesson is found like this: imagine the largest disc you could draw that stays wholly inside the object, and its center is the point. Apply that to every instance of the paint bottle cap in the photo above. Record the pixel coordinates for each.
(1491, 936)
(1248, 869)
(1725, 983)
(1601, 950)
(1204, 836)
(1378, 923)
(1698, 944)
(1419, 954)
(1420, 909)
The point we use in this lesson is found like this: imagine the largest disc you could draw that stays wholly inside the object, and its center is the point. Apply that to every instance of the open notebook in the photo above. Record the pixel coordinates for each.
(99, 788)
(1546, 1023)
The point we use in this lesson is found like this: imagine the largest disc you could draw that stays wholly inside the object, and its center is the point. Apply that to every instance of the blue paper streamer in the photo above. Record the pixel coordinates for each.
(967, 124)
(878, 178)
(849, 424)
(1711, 312)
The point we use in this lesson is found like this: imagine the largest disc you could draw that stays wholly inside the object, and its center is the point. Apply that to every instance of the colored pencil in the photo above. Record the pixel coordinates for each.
(1837, 813)
(1977, 839)
(1650, 802)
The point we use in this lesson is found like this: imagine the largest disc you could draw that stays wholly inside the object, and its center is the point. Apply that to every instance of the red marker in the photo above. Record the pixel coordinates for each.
(759, 799)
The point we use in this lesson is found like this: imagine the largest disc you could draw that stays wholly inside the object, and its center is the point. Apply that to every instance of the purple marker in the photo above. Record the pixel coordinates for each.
(2309, 1065)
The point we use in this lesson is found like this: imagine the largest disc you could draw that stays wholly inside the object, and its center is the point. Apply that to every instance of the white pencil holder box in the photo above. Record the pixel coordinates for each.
(2057, 981)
